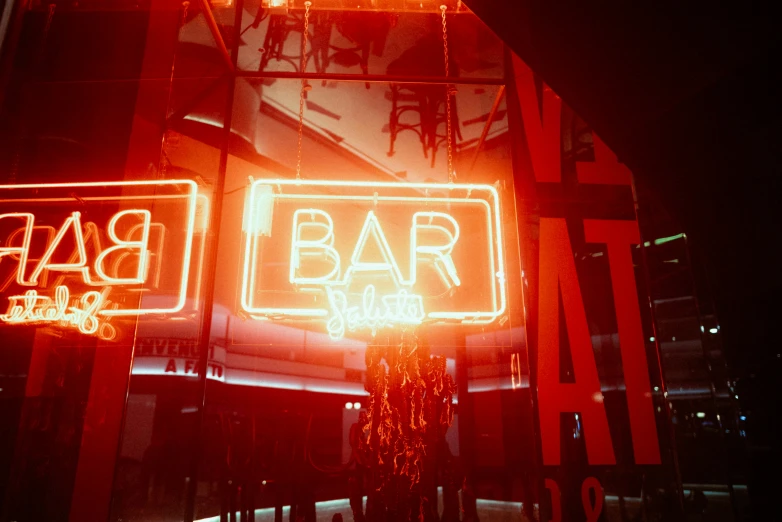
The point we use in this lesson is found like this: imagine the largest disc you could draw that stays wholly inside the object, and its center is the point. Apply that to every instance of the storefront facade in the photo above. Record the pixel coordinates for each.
(268, 260)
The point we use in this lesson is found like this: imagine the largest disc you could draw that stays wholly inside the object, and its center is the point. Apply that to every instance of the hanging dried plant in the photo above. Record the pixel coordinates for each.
(410, 410)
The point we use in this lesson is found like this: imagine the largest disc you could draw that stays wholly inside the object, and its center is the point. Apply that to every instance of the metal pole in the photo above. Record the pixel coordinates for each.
(230, 60)
(489, 121)
(213, 237)
(372, 78)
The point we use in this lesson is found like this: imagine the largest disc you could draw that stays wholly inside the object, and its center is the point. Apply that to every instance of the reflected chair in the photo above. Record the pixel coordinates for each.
(360, 28)
(426, 104)
(420, 107)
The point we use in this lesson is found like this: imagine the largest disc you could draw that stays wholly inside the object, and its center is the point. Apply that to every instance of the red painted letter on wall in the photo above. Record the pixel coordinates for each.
(558, 273)
(543, 132)
(620, 236)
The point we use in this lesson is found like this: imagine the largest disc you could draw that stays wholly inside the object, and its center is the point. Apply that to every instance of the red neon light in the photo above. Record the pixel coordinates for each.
(345, 245)
(123, 261)
(81, 313)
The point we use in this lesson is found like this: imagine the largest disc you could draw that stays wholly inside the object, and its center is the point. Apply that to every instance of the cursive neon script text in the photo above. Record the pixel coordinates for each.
(32, 308)
(401, 308)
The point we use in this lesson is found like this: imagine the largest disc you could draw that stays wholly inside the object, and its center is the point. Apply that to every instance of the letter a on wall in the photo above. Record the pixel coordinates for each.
(558, 275)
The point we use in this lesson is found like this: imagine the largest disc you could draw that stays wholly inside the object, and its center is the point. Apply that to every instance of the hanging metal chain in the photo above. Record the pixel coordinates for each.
(305, 86)
(450, 90)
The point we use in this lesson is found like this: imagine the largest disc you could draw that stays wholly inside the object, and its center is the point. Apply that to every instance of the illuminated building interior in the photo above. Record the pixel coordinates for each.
(392, 277)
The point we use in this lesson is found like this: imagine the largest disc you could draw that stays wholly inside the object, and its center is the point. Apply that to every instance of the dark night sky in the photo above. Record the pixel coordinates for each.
(688, 96)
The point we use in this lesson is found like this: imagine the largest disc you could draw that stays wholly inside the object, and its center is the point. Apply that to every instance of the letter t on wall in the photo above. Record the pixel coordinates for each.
(619, 236)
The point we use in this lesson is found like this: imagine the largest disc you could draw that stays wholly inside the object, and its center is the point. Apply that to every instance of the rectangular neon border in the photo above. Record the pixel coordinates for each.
(498, 276)
(188, 242)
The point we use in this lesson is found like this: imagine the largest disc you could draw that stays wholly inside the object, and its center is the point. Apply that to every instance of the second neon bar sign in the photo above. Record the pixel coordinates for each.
(79, 255)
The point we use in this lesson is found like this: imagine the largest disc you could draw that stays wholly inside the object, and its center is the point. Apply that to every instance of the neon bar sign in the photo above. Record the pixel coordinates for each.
(363, 256)
(59, 266)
